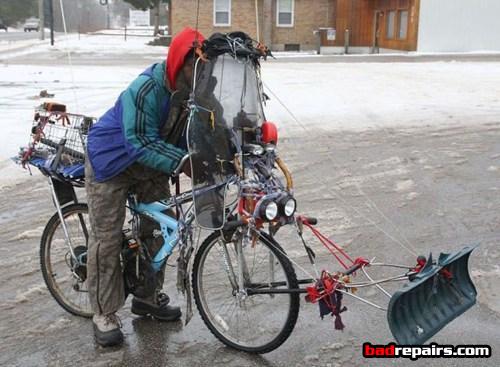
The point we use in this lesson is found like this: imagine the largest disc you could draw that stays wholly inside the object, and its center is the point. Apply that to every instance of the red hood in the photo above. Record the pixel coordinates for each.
(181, 44)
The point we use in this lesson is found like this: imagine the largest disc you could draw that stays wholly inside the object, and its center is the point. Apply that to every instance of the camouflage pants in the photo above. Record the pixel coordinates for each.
(107, 210)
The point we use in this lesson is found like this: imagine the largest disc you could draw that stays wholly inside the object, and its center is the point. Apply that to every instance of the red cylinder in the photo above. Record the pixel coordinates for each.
(269, 133)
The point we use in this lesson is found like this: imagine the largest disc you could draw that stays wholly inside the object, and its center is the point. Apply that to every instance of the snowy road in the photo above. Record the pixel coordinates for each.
(413, 148)
(17, 36)
(327, 96)
(439, 187)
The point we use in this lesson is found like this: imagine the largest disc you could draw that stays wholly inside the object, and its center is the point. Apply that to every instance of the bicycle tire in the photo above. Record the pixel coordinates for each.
(45, 244)
(291, 278)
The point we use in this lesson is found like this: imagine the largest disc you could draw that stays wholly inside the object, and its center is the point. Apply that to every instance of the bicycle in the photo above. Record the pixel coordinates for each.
(244, 284)
(206, 279)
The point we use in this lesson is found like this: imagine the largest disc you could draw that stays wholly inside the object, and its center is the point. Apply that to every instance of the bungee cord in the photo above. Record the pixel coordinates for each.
(339, 197)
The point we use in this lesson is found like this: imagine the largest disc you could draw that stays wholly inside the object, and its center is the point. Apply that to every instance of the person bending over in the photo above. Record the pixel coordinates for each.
(134, 147)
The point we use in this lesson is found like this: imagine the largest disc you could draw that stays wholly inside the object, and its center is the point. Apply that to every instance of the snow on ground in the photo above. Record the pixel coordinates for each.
(106, 45)
(378, 95)
(132, 31)
(81, 44)
(10, 48)
(94, 90)
(321, 95)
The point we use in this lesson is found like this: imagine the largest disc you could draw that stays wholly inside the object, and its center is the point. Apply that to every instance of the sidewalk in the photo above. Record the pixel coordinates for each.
(85, 49)
(386, 58)
(10, 49)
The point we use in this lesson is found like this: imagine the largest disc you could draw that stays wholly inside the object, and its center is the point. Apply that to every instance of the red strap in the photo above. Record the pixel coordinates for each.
(329, 244)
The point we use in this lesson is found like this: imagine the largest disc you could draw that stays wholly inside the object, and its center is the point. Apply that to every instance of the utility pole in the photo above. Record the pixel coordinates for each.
(51, 12)
(169, 9)
(156, 18)
(108, 20)
(41, 16)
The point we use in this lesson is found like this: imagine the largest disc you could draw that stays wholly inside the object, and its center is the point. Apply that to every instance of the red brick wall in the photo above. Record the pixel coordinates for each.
(308, 16)
(242, 16)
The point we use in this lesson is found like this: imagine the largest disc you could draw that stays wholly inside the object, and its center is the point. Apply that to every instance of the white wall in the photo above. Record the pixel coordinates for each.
(459, 25)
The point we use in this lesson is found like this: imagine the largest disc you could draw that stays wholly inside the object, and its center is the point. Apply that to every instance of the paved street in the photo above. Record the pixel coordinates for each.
(431, 186)
(437, 186)
(17, 35)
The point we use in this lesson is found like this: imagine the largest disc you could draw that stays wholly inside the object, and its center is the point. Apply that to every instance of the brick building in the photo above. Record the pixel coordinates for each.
(282, 24)
(351, 26)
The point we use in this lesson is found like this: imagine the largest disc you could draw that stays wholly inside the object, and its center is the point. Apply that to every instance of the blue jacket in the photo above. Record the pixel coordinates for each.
(130, 131)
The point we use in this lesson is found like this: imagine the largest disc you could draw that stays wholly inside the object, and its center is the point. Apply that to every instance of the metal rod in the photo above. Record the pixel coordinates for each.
(108, 19)
(392, 265)
(41, 16)
(363, 285)
(280, 284)
(251, 291)
(61, 217)
(228, 265)
(51, 12)
(257, 25)
(363, 300)
(239, 250)
(376, 285)
(271, 267)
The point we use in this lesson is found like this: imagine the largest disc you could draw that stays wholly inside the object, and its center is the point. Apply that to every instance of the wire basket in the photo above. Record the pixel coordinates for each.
(68, 131)
(57, 142)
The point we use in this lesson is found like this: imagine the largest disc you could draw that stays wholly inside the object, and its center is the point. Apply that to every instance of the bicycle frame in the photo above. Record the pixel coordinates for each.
(169, 226)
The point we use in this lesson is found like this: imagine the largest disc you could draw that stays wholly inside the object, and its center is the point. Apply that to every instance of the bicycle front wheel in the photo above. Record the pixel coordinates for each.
(65, 278)
(255, 323)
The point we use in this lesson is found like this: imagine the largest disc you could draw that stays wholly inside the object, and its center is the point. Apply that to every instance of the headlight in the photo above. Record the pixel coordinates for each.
(289, 207)
(271, 210)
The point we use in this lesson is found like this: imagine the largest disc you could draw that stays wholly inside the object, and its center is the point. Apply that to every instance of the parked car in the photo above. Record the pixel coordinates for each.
(32, 24)
(3, 26)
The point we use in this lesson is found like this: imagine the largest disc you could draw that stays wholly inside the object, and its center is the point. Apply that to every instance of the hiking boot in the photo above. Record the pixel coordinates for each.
(159, 308)
(107, 330)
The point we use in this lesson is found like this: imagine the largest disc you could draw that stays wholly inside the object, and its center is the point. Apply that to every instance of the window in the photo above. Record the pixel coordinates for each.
(292, 47)
(284, 13)
(391, 20)
(222, 12)
(403, 24)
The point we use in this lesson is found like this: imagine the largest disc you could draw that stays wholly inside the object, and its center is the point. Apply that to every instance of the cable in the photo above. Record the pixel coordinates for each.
(374, 206)
(68, 52)
(327, 186)
(257, 26)
(197, 17)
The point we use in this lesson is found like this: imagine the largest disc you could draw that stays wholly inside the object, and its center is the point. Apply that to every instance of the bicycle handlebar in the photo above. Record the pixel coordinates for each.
(177, 171)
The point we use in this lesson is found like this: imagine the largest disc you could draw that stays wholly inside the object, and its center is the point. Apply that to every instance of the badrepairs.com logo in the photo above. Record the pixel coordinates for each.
(432, 350)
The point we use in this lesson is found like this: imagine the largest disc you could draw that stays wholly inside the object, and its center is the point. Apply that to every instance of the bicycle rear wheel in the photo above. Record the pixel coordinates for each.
(255, 323)
(65, 279)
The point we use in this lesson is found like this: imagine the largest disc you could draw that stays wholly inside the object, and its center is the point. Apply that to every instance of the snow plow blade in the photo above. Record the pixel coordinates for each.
(438, 294)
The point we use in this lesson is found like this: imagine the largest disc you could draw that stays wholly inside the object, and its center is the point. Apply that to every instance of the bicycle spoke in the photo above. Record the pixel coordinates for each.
(69, 291)
(247, 321)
